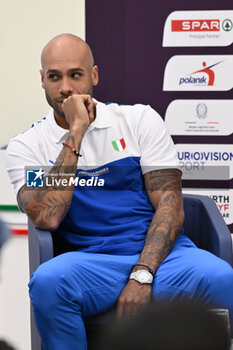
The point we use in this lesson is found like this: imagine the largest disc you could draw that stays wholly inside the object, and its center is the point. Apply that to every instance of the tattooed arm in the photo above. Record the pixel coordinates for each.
(46, 207)
(164, 190)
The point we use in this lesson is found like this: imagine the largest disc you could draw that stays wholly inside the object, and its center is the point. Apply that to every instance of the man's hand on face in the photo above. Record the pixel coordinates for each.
(79, 111)
(133, 298)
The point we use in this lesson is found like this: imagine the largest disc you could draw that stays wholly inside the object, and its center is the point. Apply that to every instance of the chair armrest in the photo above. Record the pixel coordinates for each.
(40, 246)
(205, 224)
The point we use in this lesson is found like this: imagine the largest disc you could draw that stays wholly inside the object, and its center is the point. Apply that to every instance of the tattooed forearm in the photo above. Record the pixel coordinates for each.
(164, 180)
(48, 206)
(23, 198)
(164, 190)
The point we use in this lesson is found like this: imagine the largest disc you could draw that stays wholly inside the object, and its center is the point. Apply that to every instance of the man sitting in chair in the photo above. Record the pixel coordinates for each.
(123, 217)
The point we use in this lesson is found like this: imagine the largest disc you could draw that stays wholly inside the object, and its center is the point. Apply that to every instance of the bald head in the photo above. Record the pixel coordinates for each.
(67, 69)
(65, 45)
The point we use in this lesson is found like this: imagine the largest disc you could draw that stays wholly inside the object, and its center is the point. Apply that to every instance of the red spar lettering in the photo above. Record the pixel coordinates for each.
(198, 25)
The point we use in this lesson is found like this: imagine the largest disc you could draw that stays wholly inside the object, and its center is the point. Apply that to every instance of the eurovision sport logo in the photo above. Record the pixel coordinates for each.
(205, 161)
(199, 28)
(199, 73)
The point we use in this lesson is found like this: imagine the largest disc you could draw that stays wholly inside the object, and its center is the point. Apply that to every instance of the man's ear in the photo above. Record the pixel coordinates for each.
(95, 75)
(42, 78)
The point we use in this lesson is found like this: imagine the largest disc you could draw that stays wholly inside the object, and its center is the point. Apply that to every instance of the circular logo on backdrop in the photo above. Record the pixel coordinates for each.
(227, 25)
(201, 110)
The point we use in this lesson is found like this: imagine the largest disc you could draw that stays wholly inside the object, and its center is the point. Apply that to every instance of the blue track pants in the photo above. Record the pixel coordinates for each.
(77, 284)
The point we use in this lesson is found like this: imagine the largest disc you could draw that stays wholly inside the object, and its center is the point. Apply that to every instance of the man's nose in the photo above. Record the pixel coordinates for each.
(66, 87)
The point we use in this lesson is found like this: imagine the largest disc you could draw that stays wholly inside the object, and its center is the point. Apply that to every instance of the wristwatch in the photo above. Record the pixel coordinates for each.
(142, 276)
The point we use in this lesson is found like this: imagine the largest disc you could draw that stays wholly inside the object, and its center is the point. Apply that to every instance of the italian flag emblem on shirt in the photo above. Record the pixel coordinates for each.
(119, 145)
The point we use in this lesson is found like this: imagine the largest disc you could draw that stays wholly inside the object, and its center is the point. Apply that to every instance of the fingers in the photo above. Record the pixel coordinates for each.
(133, 299)
(126, 308)
(79, 111)
(90, 105)
(119, 311)
(86, 100)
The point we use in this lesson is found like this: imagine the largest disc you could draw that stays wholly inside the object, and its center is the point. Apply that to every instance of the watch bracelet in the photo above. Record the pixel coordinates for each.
(149, 269)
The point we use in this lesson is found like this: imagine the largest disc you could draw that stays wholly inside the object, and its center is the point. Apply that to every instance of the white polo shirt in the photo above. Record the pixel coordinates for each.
(122, 144)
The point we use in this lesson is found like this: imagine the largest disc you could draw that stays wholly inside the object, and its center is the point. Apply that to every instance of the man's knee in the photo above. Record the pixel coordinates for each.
(42, 289)
(215, 283)
(49, 289)
(197, 274)
(221, 281)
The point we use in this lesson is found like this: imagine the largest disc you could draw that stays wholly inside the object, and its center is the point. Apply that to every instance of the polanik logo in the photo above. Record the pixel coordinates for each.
(198, 79)
(35, 178)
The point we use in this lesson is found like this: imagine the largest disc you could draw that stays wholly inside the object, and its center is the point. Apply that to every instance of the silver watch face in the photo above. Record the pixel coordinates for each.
(142, 276)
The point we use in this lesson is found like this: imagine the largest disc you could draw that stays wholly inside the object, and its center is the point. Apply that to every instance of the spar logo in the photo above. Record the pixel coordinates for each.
(227, 25)
(202, 28)
(201, 77)
(195, 25)
(201, 25)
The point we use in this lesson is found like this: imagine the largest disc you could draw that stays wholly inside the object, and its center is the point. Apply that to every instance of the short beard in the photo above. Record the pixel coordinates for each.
(54, 106)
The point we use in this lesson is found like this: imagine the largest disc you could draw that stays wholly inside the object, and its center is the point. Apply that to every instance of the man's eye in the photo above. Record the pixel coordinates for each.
(76, 75)
(53, 76)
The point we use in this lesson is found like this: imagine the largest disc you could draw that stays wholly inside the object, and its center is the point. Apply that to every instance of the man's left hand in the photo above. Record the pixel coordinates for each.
(134, 297)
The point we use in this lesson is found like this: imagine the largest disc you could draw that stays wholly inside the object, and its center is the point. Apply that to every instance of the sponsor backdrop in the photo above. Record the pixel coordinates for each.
(199, 73)
(223, 199)
(178, 58)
